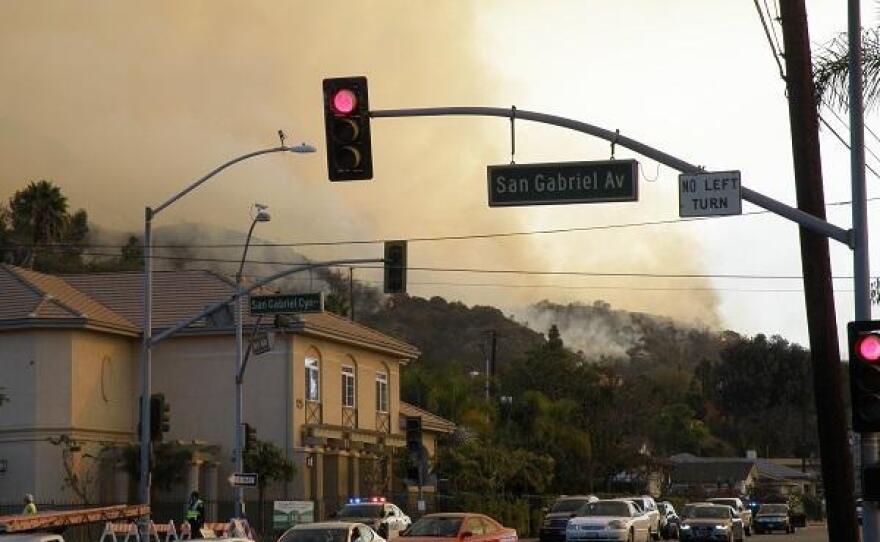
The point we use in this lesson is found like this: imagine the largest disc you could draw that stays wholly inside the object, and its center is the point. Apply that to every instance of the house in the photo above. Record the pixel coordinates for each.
(327, 394)
(709, 476)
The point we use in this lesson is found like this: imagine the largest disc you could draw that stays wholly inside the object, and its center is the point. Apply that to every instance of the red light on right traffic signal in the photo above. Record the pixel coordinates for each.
(868, 347)
(864, 374)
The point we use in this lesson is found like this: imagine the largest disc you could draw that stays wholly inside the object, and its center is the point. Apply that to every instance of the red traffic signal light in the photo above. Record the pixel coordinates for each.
(867, 347)
(864, 375)
(344, 101)
(347, 129)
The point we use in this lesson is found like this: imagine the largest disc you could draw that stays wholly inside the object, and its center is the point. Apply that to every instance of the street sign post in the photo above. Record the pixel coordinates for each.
(716, 193)
(563, 182)
(243, 479)
(287, 303)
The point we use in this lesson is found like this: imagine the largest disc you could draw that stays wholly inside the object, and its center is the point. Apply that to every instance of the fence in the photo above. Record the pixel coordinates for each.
(522, 512)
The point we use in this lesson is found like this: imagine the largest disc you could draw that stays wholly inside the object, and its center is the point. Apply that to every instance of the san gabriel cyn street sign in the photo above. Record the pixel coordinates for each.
(716, 193)
(287, 303)
(563, 182)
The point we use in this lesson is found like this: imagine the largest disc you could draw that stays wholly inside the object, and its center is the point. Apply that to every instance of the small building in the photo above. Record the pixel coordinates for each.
(709, 476)
(327, 394)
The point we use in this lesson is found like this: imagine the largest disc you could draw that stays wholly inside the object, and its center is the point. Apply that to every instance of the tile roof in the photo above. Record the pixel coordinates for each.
(711, 472)
(29, 297)
(765, 467)
(431, 422)
(117, 299)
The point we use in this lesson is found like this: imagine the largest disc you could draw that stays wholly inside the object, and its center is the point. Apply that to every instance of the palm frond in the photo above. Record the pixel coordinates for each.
(831, 70)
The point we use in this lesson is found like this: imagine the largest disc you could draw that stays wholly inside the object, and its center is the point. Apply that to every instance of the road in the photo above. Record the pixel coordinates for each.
(813, 533)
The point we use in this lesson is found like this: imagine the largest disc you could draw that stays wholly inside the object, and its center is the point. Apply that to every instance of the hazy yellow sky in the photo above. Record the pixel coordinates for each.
(123, 103)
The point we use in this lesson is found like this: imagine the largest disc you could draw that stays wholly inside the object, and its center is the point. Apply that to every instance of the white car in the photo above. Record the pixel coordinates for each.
(609, 520)
(649, 507)
(385, 518)
(331, 531)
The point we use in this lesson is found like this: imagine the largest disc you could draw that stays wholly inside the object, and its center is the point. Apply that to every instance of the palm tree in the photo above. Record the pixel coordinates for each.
(39, 216)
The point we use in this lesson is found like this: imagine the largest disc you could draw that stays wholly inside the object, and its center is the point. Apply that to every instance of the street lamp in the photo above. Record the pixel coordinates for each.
(261, 214)
(146, 347)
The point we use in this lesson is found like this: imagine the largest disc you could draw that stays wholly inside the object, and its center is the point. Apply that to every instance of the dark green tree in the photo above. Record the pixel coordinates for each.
(271, 465)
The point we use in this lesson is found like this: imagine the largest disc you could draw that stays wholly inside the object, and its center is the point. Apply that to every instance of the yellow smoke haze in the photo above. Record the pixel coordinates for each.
(123, 103)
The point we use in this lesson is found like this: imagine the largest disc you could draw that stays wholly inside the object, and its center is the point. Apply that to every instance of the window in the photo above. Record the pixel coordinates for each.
(348, 399)
(475, 526)
(313, 380)
(381, 392)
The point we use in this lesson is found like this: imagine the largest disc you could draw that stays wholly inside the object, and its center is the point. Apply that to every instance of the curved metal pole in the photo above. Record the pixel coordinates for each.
(796, 215)
(217, 170)
(147, 330)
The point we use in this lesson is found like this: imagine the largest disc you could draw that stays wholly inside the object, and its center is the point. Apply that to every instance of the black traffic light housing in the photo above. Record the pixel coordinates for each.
(160, 416)
(250, 436)
(395, 267)
(413, 433)
(864, 374)
(347, 127)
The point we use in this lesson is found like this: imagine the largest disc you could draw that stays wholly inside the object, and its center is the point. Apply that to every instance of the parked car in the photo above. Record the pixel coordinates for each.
(456, 527)
(744, 512)
(711, 522)
(331, 531)
(612, 519)
(773, 517)
(553, 527)
(669, 520)
(649, 507)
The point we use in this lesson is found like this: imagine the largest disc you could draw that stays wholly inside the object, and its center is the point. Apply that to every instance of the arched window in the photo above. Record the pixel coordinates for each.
(313, 379)
(348, 386)
(381, 391)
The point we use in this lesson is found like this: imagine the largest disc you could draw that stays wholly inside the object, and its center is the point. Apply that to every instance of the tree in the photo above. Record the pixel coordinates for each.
(271, 465)
(79, 476)
(831, 69)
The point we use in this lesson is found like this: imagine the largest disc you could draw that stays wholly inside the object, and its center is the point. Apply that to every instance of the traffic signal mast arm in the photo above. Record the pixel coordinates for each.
(776, 207)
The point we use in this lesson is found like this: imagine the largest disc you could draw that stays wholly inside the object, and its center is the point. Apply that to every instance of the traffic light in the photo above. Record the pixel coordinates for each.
(347, 126)
(413, 433)
(864, 375)
(160, 416)
(395, 267)
(250, 436)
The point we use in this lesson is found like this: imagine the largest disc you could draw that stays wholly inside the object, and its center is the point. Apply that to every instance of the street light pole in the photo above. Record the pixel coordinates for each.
(147, 331)
(261, 216)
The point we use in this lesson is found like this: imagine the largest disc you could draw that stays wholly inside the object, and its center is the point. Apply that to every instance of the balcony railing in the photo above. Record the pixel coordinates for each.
(313, 412)
(383, 422)
(349, 417)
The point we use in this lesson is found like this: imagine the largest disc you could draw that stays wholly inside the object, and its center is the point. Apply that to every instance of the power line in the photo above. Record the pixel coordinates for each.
(624, 288)
(521, 272)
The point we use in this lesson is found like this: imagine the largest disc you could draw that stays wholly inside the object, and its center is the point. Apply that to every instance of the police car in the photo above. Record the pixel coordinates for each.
(386, 518)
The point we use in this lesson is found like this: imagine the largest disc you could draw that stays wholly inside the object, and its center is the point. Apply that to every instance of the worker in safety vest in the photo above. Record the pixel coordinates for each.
(29, 506)
(195, 514)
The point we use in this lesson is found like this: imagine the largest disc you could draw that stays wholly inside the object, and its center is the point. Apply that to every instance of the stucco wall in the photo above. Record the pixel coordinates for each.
(59, 383)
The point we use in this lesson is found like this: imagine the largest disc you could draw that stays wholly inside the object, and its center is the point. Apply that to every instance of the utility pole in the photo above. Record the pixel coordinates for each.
(837, 471)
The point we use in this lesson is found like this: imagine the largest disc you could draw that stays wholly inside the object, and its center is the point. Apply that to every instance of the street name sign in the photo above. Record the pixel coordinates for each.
(716, 193)
(287, 303)
(260, 343)
(243, 479)
(563, 182)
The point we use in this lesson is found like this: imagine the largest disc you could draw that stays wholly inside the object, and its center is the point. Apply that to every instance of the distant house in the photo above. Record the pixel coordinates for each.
(709, 476)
